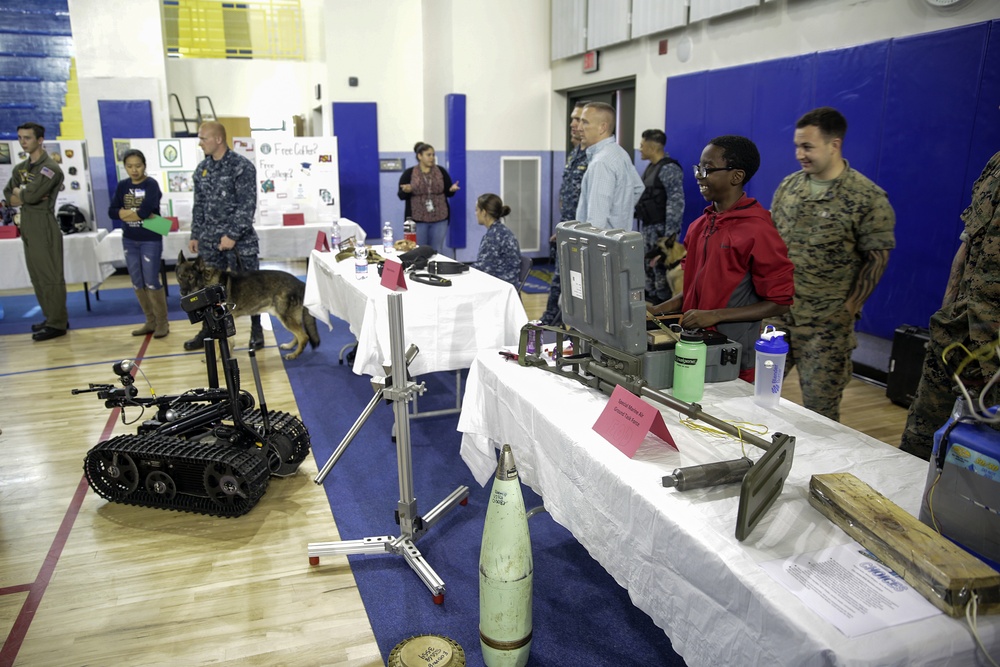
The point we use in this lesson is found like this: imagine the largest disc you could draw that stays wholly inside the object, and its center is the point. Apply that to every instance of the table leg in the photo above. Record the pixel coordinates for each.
(86, 295)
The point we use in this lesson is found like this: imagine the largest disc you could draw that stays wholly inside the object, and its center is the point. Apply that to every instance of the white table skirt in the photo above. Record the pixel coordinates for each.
(81, 261)
(676, 552)
(448, 324)
(294, 242)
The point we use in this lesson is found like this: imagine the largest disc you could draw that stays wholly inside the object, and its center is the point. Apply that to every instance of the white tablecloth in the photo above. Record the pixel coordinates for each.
(676, 552)
(81, 261)
(294, 242)
(449, 324)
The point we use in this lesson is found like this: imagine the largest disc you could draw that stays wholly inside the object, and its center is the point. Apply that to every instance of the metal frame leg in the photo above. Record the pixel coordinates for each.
(412, 525)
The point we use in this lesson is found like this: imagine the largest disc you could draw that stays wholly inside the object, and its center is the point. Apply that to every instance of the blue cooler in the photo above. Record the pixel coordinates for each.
(966, 500)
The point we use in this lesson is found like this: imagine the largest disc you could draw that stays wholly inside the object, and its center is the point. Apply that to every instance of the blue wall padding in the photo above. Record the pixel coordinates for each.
(686, 134)
(986, 133)
(454, 120)
(355, 124)
(922, 122)
(122, 119)
(931, 94)
(783, 89)
(853, 81)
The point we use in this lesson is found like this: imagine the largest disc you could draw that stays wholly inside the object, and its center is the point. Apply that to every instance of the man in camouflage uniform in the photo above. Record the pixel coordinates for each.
(659, 210)
(225, 199)
(838, 226)
(569, 196)
(34, 186)
(969, 314)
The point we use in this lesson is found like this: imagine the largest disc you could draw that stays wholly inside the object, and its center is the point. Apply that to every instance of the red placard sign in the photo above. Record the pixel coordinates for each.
(392, 276)
(627, 419)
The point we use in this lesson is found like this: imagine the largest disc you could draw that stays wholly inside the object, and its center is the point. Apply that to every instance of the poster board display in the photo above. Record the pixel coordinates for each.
(172, 163)
(295, 175)
(72, 159)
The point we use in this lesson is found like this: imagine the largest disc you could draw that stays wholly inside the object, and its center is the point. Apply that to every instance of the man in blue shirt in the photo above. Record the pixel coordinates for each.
(611, 186)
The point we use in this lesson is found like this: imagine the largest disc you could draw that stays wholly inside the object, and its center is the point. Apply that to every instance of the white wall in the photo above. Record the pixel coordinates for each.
(409, 54)
(114, 64)
(269, 92)
(501, 63)
(773, 30)
(380, 42)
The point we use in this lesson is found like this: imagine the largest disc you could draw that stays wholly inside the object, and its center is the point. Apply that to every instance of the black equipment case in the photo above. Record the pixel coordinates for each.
(906, 363)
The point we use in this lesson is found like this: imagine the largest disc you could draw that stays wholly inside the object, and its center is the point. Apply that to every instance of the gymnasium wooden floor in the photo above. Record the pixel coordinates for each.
(86, 582)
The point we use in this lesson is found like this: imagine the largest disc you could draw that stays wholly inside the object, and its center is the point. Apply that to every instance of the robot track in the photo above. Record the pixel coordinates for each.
(288, 439)
(173, 473)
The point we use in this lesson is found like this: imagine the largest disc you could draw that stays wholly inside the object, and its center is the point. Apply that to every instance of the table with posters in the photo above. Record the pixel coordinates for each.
(448, 324)
(676, 552)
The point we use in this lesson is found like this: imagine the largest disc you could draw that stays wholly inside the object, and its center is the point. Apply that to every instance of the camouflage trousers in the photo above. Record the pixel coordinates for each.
(229, 259)
(553, 313)
(656, 275)
(933, 403)
(822, 353)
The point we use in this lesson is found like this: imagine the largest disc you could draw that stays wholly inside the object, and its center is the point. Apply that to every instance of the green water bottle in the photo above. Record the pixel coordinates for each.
(689, 367)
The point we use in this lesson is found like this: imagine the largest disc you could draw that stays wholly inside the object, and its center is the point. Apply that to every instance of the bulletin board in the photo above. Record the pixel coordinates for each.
(72, 159)
(296, 175)
(171, 162)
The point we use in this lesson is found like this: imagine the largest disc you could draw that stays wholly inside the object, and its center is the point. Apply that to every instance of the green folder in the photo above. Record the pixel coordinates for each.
(158, 224)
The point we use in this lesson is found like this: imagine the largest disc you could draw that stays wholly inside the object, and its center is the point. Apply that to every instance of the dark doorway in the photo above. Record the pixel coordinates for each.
(620, 95)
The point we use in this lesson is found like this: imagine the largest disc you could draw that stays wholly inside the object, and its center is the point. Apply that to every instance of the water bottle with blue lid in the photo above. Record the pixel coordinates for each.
(771, 350)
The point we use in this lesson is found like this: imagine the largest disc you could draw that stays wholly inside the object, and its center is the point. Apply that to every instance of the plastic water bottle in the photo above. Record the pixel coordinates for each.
(534, 344)
(689, 367)
(361, 261)
(335, 236)
(410, 230)
(387, 236)
(770, 350)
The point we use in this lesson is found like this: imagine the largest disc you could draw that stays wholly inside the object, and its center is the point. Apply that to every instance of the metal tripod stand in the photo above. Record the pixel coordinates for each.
(412, 526)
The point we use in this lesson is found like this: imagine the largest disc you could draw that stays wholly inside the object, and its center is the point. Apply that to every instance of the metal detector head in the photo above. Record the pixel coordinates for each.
(763, 483)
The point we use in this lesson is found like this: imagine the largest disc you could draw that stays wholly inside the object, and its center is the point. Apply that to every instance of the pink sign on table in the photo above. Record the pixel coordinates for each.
(627, 419)
(392, 276)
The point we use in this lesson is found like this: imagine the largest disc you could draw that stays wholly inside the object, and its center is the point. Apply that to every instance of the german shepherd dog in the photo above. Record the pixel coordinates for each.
(253, 292)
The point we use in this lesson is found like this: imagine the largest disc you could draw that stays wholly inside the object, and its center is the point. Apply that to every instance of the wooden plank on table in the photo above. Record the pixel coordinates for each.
(940, 570)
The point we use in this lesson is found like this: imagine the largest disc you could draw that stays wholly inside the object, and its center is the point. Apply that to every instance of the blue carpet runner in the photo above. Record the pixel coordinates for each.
(581, 615)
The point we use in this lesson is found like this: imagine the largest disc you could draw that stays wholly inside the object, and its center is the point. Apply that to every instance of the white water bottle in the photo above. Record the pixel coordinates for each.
(335, 236)
(770, 351)
(360, 261)
(387, 236)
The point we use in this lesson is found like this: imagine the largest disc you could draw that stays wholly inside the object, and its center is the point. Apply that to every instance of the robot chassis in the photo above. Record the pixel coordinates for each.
(208, 451)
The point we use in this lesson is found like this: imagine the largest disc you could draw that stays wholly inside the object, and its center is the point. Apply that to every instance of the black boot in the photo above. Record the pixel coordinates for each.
(256, 333)
(198, 342)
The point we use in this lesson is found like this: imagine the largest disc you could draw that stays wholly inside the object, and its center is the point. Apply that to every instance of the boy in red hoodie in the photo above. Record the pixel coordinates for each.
(737, 270)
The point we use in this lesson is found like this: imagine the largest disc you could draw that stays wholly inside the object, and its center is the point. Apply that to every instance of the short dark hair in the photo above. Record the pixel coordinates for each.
(581, 103)
(493, 206)
(34, 127)
(656, 136)
(831, 123)
(134, 152)
(740, 153)
(420, 147)
(608, 113)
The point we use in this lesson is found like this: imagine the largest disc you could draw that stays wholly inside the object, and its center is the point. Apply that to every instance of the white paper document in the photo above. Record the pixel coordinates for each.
(847, 587)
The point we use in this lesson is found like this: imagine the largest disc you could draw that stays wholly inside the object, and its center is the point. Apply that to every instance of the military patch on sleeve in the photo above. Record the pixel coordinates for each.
(47, 173)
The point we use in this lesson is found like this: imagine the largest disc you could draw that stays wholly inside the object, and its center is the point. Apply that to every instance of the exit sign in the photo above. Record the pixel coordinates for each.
(590, 61)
